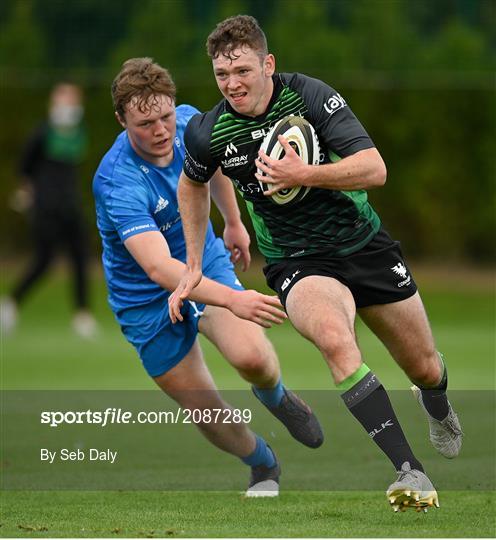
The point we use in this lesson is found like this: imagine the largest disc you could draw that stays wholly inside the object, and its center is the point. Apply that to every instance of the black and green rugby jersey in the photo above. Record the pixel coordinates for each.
(336, 223)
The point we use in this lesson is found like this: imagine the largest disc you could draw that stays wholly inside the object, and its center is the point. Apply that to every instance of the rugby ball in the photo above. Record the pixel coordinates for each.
(302, 137)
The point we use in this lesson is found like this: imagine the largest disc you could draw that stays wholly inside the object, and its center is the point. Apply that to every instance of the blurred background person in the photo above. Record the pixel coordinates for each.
(50, 197)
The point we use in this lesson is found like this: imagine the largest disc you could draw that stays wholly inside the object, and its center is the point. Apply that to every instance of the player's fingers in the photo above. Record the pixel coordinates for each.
(272, 305)
(264, 157)
(172, 314)
(245, 258)
(266, 179)
(185, 292)
(235, 255)
(175, 309)
(230, 248)
(272, 318)
(278, 317)
(262, 322)
(273, 300)
(272, 191)
(278, 312)
(285, 144)
(276, 185)
(263, 166)
(272, 312)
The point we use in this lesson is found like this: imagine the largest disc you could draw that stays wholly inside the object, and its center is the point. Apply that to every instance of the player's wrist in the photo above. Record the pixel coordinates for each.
(309, 175)
(232, 221)
(229, 298)
(194, 266)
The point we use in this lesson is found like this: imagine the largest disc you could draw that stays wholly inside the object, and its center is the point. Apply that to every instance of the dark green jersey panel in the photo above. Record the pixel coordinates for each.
(324, 221)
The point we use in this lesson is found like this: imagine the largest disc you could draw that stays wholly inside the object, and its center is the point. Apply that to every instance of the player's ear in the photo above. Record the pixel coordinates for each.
(269, 65)
(121, 120)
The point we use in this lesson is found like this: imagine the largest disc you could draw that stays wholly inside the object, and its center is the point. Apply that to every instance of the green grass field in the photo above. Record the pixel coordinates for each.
(43, 354)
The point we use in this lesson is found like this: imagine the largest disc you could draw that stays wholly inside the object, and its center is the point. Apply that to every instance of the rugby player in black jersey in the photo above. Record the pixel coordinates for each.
(328, 257)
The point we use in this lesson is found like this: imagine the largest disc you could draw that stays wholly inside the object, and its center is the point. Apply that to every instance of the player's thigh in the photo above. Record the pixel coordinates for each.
(322, 309)
(243, 343)
(189, 382)
(404, 329)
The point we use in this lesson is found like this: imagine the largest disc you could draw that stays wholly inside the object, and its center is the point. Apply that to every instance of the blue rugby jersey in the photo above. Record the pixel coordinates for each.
(133, 196)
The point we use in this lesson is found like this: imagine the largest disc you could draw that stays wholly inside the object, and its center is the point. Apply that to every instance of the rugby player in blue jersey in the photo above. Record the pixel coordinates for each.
(143, 259)
(328, 256)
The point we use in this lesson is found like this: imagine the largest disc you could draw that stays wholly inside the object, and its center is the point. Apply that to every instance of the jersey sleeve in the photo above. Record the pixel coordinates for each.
(184, 112)
(126, 204)
(198, 163)
(336, 125)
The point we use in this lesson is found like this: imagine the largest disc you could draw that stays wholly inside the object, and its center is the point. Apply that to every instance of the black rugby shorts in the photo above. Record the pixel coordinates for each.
(376, 274)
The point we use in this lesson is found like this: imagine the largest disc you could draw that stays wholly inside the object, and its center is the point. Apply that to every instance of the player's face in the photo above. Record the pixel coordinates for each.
(245, 80)
(151, 131)
(66, 108)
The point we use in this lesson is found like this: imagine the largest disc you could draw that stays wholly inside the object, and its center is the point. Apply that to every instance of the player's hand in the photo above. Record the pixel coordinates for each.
(22, 199)
(237, 241)
(188, 282)
(259, 308)
(288, 172)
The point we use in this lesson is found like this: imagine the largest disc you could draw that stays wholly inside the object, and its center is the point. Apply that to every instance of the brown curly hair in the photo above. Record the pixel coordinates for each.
(141, 79)
(233, 33)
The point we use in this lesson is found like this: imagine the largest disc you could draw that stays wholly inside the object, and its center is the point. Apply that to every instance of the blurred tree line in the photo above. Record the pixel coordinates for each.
(418, 74)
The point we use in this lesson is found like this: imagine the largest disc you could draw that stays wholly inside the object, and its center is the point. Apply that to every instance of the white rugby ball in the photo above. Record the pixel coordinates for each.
(302, 137)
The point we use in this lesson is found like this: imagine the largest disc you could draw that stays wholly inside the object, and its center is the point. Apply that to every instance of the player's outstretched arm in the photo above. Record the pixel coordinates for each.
(256, 307)
(236, 237)
(151, 252)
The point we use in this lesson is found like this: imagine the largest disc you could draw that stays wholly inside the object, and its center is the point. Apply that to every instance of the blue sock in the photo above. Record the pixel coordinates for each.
(270, 396)
(262, 455)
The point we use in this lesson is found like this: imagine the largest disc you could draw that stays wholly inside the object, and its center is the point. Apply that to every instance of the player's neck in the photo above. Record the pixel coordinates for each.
(163, 161)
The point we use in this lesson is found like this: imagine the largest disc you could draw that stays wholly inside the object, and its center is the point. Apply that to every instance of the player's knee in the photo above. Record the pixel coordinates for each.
(253, 361)
(256, 358)
(336, 343)
(424, 367)
(425, 374)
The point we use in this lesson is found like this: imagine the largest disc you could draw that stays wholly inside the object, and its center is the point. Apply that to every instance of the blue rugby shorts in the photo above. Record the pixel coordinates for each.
(172, 342)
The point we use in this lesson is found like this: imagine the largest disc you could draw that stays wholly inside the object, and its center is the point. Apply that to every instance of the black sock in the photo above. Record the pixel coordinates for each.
(435, 399)
(370, 405)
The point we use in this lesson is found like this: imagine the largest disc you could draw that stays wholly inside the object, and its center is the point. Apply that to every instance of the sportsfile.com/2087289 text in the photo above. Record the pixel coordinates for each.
(113, 415)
